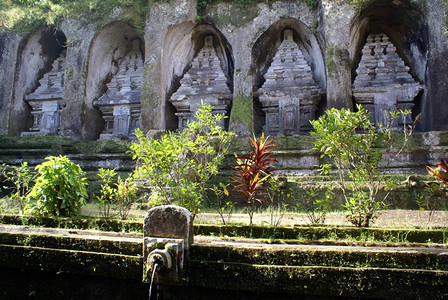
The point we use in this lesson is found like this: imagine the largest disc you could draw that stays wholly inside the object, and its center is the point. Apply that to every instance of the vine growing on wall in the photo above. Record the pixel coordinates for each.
(24, 15)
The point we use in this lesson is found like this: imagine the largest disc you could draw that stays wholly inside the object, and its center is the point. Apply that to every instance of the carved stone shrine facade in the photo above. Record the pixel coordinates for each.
(120, 105)
(205, 82)
(289, 96)
(383, 82)
(46, 100)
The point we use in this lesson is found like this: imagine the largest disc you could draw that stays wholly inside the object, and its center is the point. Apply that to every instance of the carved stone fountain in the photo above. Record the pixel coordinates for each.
(168, 234)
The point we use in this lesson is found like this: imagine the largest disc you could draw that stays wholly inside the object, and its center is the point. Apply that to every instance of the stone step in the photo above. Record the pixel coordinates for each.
(80, 252)
(77, 240)
(71, 261)
(240, 265)
(410, 258)
(321, 281)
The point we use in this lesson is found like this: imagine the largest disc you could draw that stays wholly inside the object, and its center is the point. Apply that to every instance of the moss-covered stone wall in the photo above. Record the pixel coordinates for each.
(297, 163)
(44, 261)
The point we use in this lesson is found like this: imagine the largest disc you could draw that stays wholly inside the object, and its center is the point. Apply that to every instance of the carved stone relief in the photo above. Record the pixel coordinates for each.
(289, 96)
(120, 105)
(383, 82)
(205, 81)
(46, 100)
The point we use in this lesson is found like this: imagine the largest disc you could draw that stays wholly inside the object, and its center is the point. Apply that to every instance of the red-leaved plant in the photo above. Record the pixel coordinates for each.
(441, 172)
(252, 172)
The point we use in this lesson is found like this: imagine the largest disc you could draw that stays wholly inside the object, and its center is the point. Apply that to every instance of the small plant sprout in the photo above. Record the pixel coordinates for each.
(316, 207)
(277, 196)
(223, 205)
(252, 172)
(106, 199)
(21, 178)
(125, 195)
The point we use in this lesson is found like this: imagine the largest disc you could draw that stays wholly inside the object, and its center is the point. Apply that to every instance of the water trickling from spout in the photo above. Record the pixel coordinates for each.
(154, 269)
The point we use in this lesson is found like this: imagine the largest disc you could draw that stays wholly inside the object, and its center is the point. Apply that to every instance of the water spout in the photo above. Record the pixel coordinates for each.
(154, 269)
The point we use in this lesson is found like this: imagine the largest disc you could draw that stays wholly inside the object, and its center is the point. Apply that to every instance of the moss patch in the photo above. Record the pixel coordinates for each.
(272, 233)
(321, 281)
(327, 233)
(236, 15)
(75, 223)
(73, 262)
(242, 111)
(24, 16)
(343, 257)
(80, 243)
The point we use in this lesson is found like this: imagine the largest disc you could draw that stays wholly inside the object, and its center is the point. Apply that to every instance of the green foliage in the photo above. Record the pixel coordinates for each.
(242, 107)
(177, 166)
(223, 205)
(278, 197)
(22, 15)
(316, 207)
(105, 199)
(60, 187)
(356, 157)
(21, 178)
(125, 195)
(311, 3)
(252, 172)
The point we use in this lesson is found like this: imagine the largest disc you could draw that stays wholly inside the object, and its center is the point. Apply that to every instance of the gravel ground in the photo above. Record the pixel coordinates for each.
(386, 218)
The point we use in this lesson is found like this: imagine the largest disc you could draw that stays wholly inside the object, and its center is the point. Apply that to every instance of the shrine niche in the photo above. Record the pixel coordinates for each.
(205, 82)
(289, 96)
(120, 104)
(46, 100)
(383, 82)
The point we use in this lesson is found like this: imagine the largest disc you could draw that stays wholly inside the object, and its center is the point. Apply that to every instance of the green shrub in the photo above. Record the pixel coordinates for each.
(125, 195)
(177, 166)
(316, 207)
(21, 178)
(252, 172)
(105, 199)
(60, 188)
(351, 141)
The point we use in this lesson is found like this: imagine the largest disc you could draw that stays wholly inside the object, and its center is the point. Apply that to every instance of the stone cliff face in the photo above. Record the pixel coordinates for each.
(263, 52)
